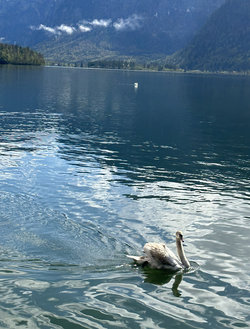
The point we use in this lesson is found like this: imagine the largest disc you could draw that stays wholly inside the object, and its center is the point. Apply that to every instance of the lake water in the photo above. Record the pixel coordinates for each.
(92, 168)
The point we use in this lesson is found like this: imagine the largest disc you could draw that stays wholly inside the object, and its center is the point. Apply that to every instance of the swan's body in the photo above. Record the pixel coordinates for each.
(159, 256)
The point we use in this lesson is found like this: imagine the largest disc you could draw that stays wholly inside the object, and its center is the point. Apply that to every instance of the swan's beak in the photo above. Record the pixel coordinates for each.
(184, 244)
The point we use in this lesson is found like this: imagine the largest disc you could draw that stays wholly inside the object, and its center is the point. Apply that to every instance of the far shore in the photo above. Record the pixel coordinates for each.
(172, 71)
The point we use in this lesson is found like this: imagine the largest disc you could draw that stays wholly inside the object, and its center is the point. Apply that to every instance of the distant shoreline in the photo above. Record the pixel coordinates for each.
(180, 71)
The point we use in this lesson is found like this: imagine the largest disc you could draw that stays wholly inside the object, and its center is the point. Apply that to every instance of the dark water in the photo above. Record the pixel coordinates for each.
(91, 169)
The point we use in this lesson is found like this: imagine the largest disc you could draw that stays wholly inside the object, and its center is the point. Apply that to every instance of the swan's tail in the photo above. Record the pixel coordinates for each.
(140, 260)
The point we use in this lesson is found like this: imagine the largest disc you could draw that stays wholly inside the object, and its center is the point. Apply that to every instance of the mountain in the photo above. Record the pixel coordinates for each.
(74, 30)
(223, 44)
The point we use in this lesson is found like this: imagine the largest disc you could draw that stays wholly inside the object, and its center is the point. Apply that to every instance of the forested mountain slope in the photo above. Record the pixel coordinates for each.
(11, 54)
(223, 43)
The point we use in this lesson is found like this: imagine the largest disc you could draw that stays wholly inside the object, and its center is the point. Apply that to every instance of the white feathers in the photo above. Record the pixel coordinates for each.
(159, 256)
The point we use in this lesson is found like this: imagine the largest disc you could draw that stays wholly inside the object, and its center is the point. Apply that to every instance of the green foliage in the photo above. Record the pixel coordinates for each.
(123, 64)
(11, 54)
(113, 64)
(224, 42)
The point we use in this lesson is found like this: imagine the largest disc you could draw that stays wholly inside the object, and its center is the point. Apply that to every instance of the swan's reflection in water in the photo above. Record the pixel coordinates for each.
(161, 277)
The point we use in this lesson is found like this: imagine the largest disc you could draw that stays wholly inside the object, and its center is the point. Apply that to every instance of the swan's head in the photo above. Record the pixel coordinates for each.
(179, 236)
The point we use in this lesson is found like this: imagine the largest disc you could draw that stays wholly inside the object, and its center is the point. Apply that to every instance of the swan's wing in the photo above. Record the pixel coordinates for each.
(140, 260)
(159, 254)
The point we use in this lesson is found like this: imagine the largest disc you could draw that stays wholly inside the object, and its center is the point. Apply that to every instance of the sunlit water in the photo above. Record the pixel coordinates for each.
(91, 169)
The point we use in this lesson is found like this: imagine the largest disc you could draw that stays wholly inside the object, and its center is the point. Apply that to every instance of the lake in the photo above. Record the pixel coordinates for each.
(92, 169)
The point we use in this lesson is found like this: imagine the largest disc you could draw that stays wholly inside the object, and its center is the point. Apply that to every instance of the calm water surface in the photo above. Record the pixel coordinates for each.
(91, 169)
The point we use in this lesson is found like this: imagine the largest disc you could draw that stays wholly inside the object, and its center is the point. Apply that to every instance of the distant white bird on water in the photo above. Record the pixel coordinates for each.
(136, 85)
(159, 256)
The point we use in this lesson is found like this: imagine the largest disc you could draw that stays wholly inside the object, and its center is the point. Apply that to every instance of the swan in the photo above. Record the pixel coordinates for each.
(159, 256)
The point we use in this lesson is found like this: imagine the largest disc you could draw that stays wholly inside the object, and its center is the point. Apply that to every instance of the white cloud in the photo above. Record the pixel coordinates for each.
(101, 22)
(66, 29)
(131, 23)
(55, 30)
(84, 28)
(45, 28)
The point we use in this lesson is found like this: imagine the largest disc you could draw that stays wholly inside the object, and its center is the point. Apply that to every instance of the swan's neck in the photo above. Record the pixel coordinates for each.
(181, 253)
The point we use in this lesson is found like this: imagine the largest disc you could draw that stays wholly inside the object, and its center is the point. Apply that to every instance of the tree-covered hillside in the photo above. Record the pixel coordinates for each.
(11, 54)
(223, 44)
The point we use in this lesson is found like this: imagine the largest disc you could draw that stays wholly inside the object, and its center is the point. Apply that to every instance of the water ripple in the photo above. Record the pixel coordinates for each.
(90, 171)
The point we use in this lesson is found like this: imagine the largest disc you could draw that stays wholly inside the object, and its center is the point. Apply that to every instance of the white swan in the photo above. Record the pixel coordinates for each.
(159, 256)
